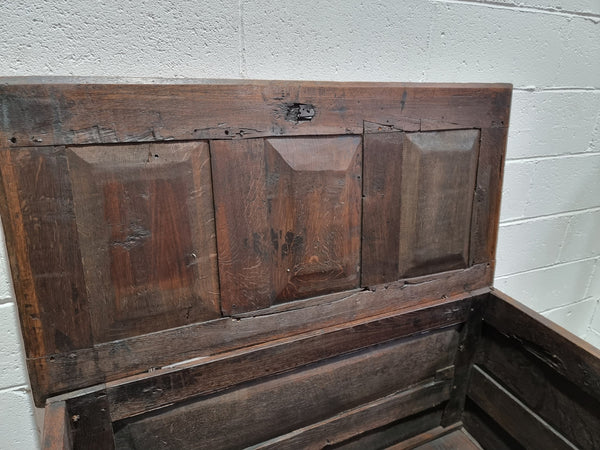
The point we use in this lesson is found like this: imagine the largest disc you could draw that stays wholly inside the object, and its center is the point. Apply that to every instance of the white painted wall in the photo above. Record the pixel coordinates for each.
(549, 244)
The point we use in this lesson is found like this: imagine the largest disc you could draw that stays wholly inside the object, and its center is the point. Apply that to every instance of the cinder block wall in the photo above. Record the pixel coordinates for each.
(549, 244)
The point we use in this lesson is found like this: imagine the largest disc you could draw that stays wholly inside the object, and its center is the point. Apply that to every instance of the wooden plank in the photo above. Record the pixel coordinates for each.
(111, 361)
(456, 439)
(486, 207)
(485, 431)
(258, 412)
(57, 429)
(423, 183)
(560, 403)
(43, 249)
(362, 419)
(568, 355)
(470, 341)
(58, 113)
(511, 414)
(130, 396)
(288, 218)
(90, 421)
(400, 431)
(59, 373)
(145, 222)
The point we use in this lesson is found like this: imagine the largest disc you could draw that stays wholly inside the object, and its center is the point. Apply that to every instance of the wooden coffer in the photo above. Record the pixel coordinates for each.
(273, 264)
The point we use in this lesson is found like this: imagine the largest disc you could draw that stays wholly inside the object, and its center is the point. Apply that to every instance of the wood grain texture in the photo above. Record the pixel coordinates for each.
(288, 218)
(43, 250)
(57, 428)
(512, 415)
(485, 431)
(424, 184)
(62, 113)
(145, 224)
(363, 419)
(456, 439)
(557, 401)
(130, 396)
(565, 353)
(90, 421)
(286, 403)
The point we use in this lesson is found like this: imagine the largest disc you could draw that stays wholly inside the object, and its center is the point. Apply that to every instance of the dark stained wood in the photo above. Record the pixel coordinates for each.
(112, 361)
(400, 431)
(512, 415)
(470, 341)
(129, 397)
(60, 113)
(365, 418)
(457, 439)
(57, 428)
(286, 403)
(43, 247)
(485, 431)
(559, 402)
(568, 355)
(90, 421)
(288, 218)
(486, 207)
(423, 183)
(145, 224)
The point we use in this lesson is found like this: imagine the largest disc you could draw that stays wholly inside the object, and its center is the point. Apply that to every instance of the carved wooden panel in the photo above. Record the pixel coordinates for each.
(145, 224)
(288, 218)
(419, 191)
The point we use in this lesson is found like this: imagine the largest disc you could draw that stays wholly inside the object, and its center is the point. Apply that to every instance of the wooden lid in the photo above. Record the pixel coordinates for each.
(148, 224)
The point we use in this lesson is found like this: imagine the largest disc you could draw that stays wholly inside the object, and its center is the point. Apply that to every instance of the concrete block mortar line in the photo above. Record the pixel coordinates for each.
(592, 17)
(596, 310)
(565, 305)
(6, 300)
(574, 212)
(18, 388)
(561, 156)
(594, 270)
(563, 240)
(243, 65)
(550, 266)
(556, 89)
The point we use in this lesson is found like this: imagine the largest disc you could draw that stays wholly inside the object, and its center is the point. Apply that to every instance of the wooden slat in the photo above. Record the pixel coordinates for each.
(560, 403)
(111, 361)
(288, 218)
(485, 431)
(146, 392)
(90, 421)
(486, 206)
(52, 114)
(283, 404)
(512, 415)
(457, 439)
(568, 355)
(57, 429)
(365, 418)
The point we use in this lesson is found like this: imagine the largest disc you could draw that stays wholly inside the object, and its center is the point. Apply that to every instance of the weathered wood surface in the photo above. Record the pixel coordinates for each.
(285, 403)
(563, 352)
(418, 191)
(57, 114)
(57, 427)
(146, 392)
(486, 432)
(512, 415)
(454, 440)
(363, 419)
(288, 218)
(90, 421)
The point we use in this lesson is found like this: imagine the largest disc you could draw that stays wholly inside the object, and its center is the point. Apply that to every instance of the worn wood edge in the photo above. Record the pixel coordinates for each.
(57, 431)
(55, 374)
(141, 393)
(426, 437)
(259, 109)
(483, 390)
(568, 355)
(364, 418)
(556, 400)
(486, 432)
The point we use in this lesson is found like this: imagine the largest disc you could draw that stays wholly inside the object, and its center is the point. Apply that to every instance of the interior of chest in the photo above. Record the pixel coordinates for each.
(275, 265)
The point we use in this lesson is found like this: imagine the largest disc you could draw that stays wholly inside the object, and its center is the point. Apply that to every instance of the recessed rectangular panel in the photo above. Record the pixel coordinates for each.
(288, 218)
(418, 199)
(146, 226)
